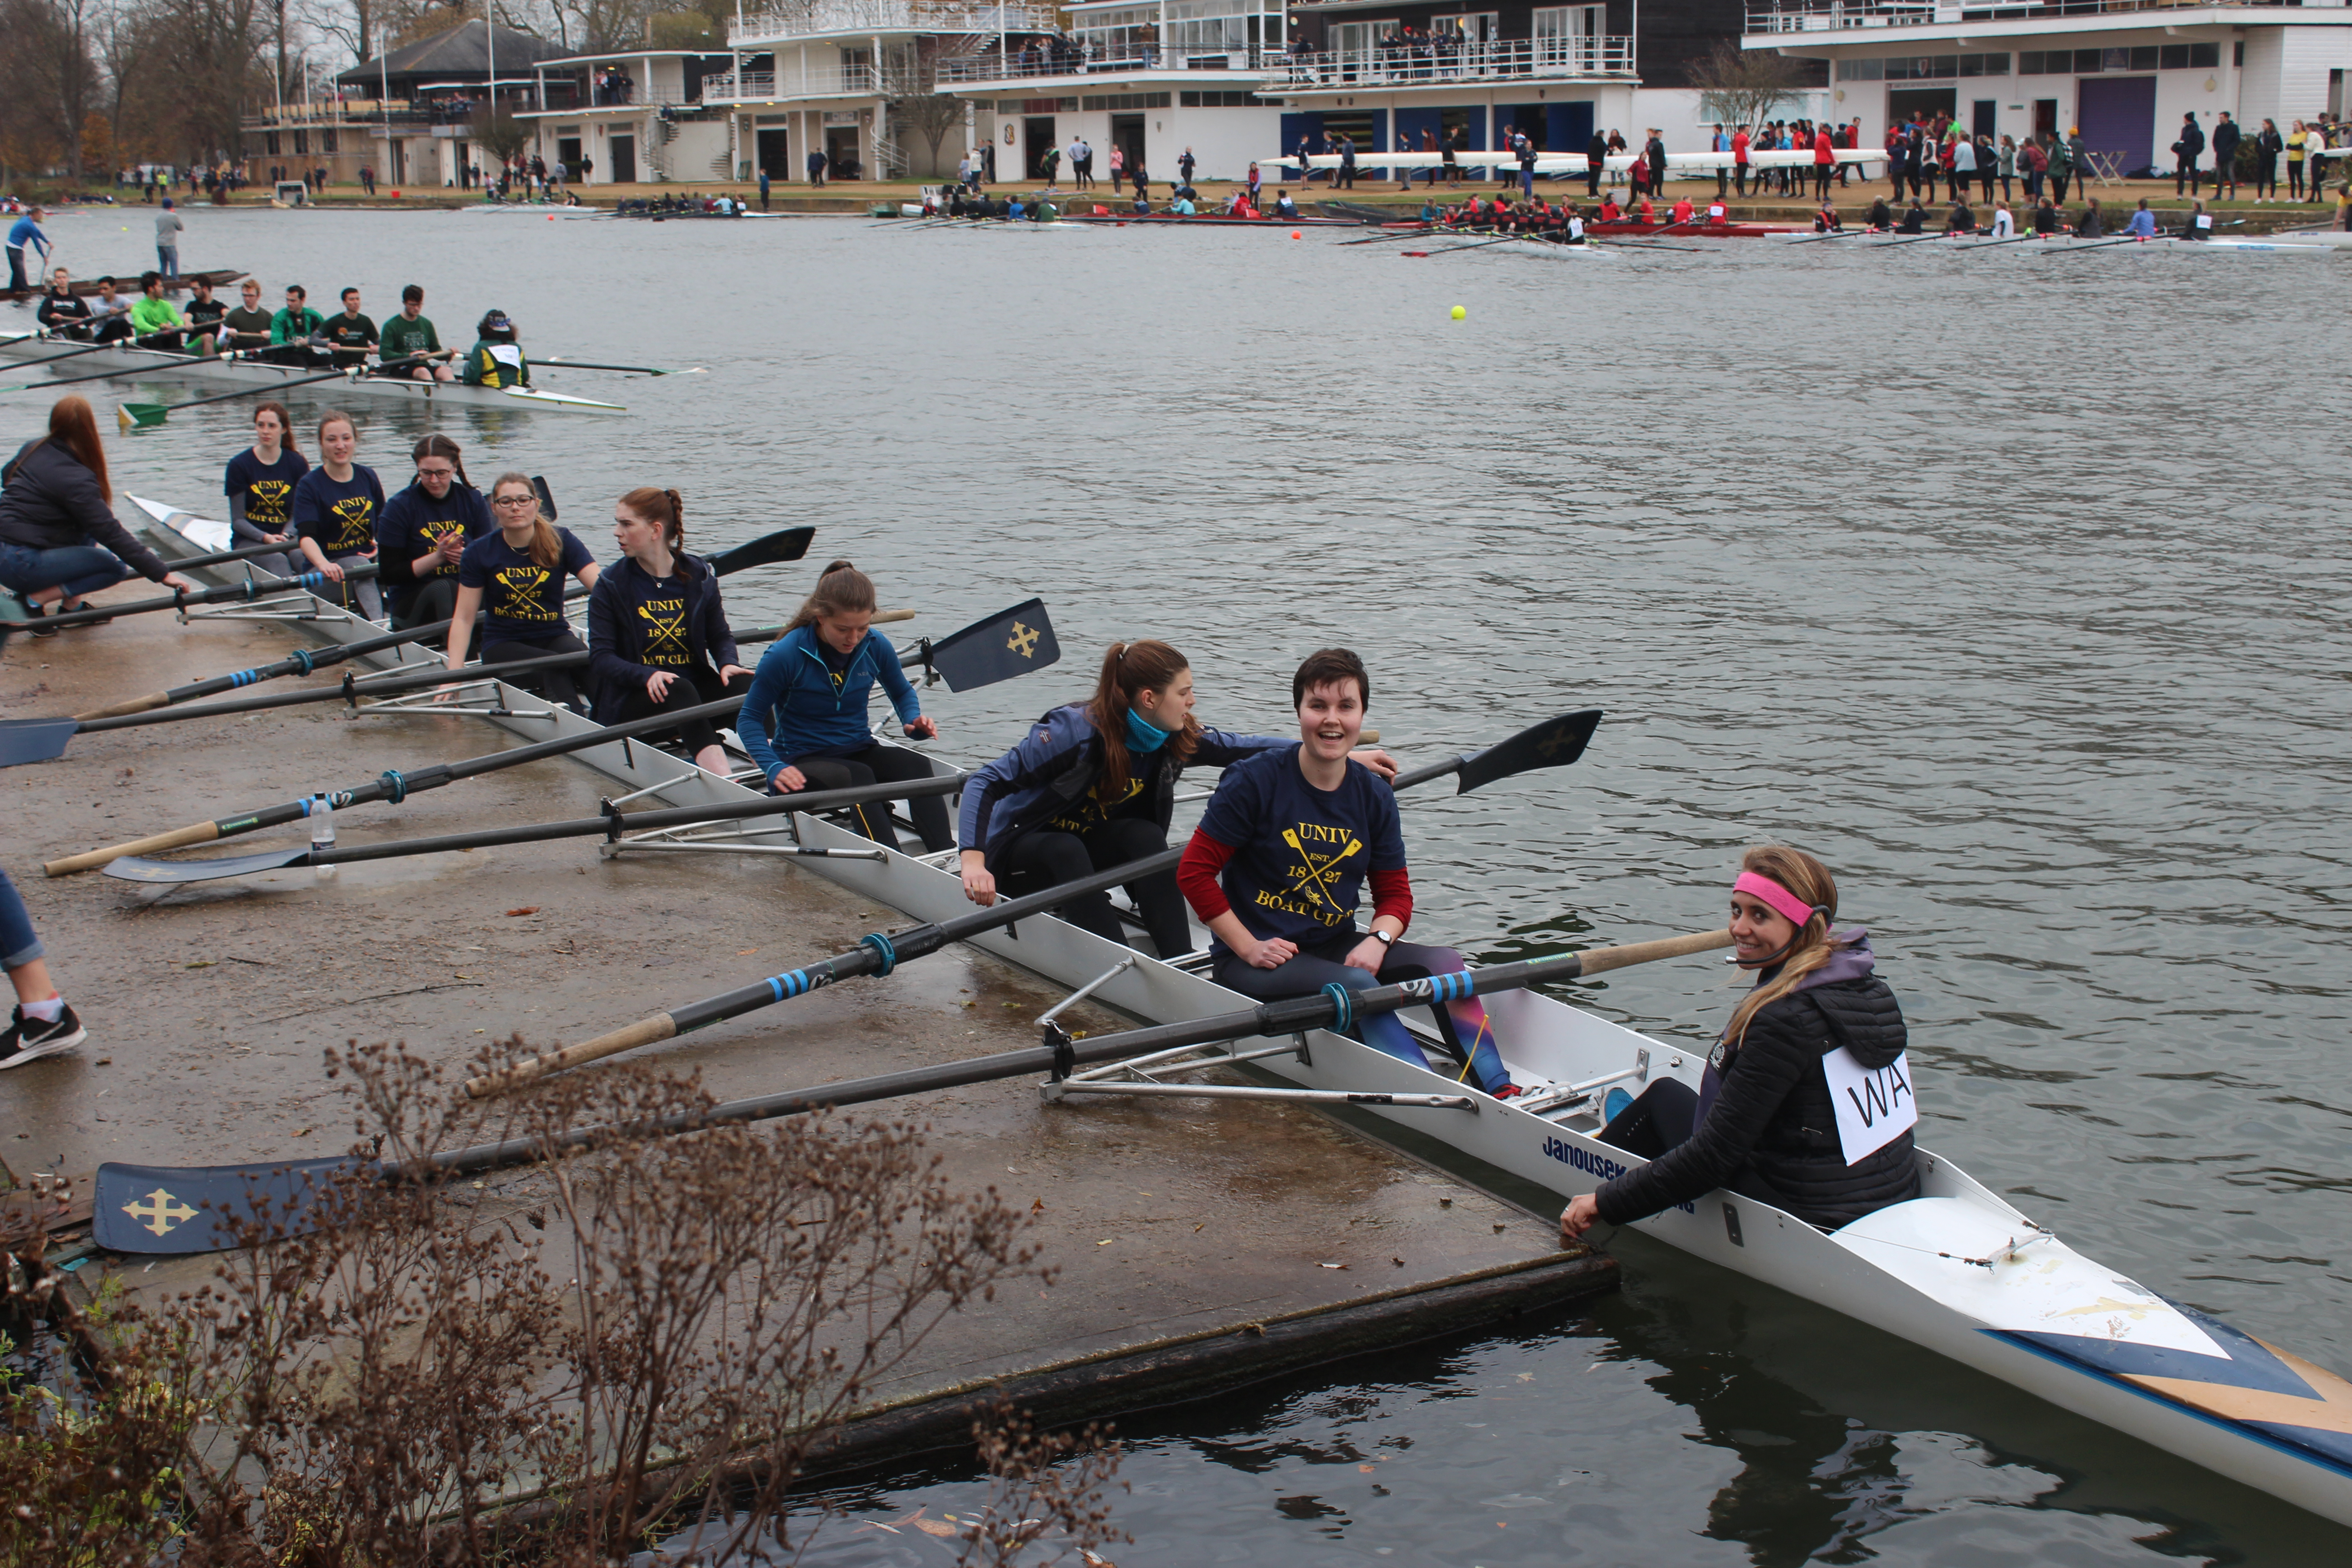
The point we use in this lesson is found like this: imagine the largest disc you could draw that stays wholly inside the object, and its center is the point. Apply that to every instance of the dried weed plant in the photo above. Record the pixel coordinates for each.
(559, 1364)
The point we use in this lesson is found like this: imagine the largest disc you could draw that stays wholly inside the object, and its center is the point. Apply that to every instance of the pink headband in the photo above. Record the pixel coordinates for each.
(1793, 907)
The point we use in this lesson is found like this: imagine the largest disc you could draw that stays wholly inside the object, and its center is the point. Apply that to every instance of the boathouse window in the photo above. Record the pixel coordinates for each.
(1115, 101)
(1924, 67)
(1218, 100)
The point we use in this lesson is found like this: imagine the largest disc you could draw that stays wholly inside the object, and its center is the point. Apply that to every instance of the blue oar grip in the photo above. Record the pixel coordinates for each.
(881, 944)
(796, 984)
(301, 660)
(1343, 1008)
(396, 788)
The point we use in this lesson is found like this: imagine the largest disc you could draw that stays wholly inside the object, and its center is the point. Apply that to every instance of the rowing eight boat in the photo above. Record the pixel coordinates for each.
(1958, 1271)
(140, 363)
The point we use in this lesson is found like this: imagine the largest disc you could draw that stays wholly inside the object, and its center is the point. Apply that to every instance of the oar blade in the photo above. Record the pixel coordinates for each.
(546, 496)
(139, 869)
(138, 415)
(26, 741)
(1009, 644)
(1554, 743)
(201, 1208)
(784, 545)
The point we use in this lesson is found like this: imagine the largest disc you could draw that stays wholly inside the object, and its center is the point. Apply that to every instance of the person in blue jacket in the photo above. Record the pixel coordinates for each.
(805, 719)
(1092, 786)
(655, 626)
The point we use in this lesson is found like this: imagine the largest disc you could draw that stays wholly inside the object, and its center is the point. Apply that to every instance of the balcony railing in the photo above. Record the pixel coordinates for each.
(1027, 65)
(816, 81)
(1442, 60)
(833, 17)
(1842, 16)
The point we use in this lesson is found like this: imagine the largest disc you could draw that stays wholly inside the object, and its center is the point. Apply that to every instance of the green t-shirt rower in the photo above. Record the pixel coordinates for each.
(411, 333)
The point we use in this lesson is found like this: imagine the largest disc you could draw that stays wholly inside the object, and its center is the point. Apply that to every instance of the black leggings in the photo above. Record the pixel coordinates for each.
(882, 764)
(1663, 1117)
(1047, 858)
(556, 685)
(697, 684)
(435, 601)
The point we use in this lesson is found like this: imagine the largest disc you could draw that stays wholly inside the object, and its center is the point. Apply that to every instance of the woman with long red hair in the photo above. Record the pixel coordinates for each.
(59, 539)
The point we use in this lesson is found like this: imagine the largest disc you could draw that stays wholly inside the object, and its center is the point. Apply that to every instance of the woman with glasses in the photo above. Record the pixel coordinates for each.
(516, 574)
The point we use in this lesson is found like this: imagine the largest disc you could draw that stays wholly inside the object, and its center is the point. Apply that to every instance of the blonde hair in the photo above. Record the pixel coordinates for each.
(841, 590)
(1810, 949)
(546, 548)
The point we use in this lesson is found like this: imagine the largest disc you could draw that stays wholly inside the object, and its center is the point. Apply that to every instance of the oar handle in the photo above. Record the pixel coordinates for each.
(643, 1032)
(1600, 960)
(178, 838)
(127, 707)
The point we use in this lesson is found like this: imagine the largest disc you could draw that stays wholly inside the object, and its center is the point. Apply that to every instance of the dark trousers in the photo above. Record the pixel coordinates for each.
(697, 684)
(78, 569)
(1314, 967)
(555, 685)
(435, 601)
(1663, 1116)
(882, 764)
(2058, 182)
(1047, 858)
(17, 283)
(2186, 175)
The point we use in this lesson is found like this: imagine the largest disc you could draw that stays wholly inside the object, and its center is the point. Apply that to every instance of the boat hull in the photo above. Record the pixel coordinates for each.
(138, 363)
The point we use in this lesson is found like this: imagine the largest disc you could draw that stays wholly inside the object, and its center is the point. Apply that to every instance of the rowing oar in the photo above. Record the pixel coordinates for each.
(145, 416)
(91, 348)
(1832, 234)
(26, 741)
(243, 552)
(1555, 742)
(634, 369)
(166, 1209)
(251, 588)
(1387, 239)
(971, 652)
(1914, 239)
(1457, 249)
(2103, 244)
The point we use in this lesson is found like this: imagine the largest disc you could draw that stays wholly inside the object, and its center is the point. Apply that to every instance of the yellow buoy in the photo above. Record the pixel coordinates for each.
(1461, 312)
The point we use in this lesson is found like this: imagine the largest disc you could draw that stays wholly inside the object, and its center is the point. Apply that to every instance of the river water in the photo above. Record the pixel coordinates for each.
(2014, 586)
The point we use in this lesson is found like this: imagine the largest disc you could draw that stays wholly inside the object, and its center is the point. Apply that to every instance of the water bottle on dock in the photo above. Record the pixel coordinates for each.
(322, 831)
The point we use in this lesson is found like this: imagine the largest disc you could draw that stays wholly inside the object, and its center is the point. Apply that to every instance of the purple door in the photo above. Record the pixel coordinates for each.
(2118, 115)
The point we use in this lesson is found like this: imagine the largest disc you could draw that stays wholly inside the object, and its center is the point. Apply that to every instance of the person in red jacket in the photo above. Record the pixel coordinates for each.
(1277, 867)
(1825, 161)
(1739, 158)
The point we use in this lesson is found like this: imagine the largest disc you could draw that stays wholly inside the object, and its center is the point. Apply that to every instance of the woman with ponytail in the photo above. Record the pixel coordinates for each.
(59, 535)
(516, 574)
(804, 721)
(1765, 1122)
(655, 626)
(1093, 786)
(422, 533)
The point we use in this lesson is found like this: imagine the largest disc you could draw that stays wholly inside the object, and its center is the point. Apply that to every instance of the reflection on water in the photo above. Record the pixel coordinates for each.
(2012, 585)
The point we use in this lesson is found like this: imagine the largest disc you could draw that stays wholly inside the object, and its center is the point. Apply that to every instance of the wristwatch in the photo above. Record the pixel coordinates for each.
(1386, 939)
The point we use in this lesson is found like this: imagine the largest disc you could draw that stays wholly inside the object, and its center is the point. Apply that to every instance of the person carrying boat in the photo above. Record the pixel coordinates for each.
(1278, 865)
(422, 533)
(259, 484)
(804, 721)
(1771, 1120)
(655, 626)
(64, 313)
(155, 321)
(496, 358)
(335, 508)
(1093, 785)
(59, 539)
(516, 574)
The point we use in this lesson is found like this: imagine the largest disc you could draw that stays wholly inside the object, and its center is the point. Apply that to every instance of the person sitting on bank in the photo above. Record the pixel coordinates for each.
(60, 538)
(1764, 1123)
(1276, 867)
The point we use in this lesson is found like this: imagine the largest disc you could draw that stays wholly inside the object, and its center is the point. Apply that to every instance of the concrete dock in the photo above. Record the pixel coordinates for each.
(1172, 1225)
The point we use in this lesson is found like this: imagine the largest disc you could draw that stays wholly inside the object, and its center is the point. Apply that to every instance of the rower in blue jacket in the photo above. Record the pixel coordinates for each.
(805, 719)
(1092, 786)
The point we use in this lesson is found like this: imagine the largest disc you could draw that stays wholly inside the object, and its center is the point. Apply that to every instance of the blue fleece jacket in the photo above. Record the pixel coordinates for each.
(795, 709)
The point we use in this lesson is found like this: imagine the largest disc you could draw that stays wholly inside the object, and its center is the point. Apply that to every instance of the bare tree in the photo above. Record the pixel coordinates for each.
(48, 83)
(1740, 87)
(910, 81)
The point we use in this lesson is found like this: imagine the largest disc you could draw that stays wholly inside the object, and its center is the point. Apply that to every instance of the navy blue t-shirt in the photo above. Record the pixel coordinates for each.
(341, 517)
(268, 488)
(1300, 854)
(413, 522)
(524, 599)
(659, 604)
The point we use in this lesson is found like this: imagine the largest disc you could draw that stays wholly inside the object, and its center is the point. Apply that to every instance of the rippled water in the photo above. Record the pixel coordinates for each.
(2015, 587)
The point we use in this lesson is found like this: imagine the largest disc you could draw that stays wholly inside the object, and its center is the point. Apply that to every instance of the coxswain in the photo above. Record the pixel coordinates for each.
(248, 324)
(349, 332)
(259, 484)
(63, 313)
(497, 358)
(515, 574)
(1277, 864)
(1881, 218)
(1962, 218)
(409, 336)
(335, 508)
(1764, 1124)
(657, 634)
(1915, 221)
(109, 313)
(291, 330)
(1827, 221)
(205, 315)
(2199, 224)
(155, 321)
(2143, 222)
(2092, 225)
(2046, 218)
(57, 504)
(422, 533)
(2004, 224)
(805, 722)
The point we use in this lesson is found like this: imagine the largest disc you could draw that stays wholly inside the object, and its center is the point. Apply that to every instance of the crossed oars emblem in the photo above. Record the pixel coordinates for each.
(1558, 741)
(1322, 873)
(667, 633)
(160, 1212)
(1024, 640)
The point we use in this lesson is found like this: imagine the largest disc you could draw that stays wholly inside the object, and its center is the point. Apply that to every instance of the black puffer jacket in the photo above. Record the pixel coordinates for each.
(52, 503)
(1772, 1129)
